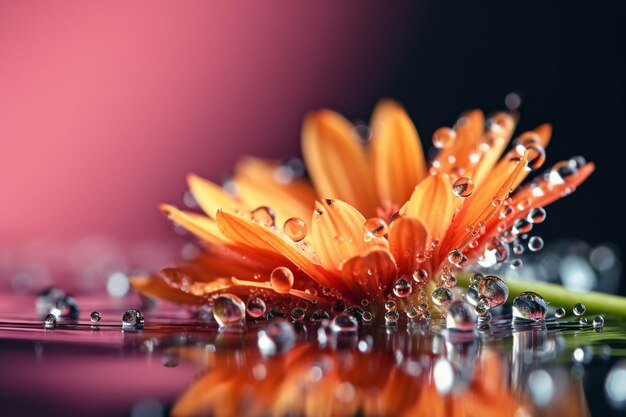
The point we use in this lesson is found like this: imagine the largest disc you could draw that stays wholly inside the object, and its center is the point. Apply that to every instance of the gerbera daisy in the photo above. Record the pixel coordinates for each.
(375, 222)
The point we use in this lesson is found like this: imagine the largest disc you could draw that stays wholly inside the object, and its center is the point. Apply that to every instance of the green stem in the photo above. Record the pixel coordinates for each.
(559, 296)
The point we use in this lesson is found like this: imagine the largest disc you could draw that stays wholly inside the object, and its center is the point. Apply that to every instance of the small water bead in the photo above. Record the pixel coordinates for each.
(95, 316)
(583, 321)
(402, 288)
(450, 281)
(228, 309)
(461, 316)
(133, 320)
(47, 301)
(443, 137)
(422, 307)
(367, 317)
(278, 337)
(319, 315)
(297, 314)
(50, 321)
(493, 290)
(295, 229)
(365, 302)
(376, 227)
(598, 321)
(536, 156)
(391, 317)
(559, 313)
(442, 296)
(482, 307)
(344, 323)
(255, 307)
(457, 258)
(390, 305)
(463, 187)
(522, 226)
(506, 211)
(530, 306)
(535, 243)
(476, 277)
(281, 280)
(495, 252)
(516, 264)
(579, 309)
(577, 162)
(472, 295)
(518, 248)
(536, 215)
(561, 173)
(264, 216)
(420, 275)
(412, 312)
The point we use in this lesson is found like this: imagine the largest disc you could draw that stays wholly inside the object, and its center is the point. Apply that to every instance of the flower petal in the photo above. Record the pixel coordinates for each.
(469, 132)
(365, 274)
(156, 287)
(498, 140)
(397, 154)
(197, 224)
(337, 162)
(408, 237)
(211, 197)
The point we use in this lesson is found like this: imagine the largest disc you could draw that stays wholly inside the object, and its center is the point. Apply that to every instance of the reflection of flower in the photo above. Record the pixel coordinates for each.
(424, 221)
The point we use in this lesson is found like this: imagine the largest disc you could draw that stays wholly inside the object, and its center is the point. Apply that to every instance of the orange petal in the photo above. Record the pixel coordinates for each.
(364, 274)
(434, 203)
(408, 237)
(499, 139)
(157, 287)
(545, 133)
(197, 224)
(396, 153)
(469, 132)
(211, 197)
(337, 162)
(337, 233)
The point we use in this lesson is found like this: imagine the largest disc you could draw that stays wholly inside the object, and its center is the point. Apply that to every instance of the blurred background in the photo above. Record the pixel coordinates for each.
(105, 107)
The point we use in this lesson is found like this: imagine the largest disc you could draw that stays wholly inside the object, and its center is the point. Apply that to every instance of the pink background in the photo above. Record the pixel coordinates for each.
(105, 107)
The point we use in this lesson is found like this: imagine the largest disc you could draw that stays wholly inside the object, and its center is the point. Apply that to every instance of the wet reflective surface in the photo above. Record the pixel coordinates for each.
(180, 363)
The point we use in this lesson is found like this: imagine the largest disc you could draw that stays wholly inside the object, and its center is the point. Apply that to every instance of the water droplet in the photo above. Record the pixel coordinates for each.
(535, 243)
(579, 309)
(391, 317)
(457, 258)
(577, 162)
(522, 226)
(95, 316)
(319, 315)
(506, 211)
(390, 305)
(463, 187)
(132, 320)
(443, 137)
(472, 295)
(442, 296)
(255, 307)
(420, 275)
(278, 337)
(518, 248)
(344, 323)
(537, 215)
(530, 306)
(367, 317)
(482, 307)
(583, 321)
(495, 252)
(50, 321)
(264, 216)
(47, 301)
(516, 264)
(461, 316)
(228, 309)
(598, 321)
(450, 281)
(493, 290)
(402, 288)
(536, 156)
(295, 229)
(375, 227)
(561, 173)
(412, 312)
(560, 313)
(476, 277)
(297, 314)
(281, 280)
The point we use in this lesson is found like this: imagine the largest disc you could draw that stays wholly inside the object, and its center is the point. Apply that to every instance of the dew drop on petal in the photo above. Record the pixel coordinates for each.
(495, 252)
(476, 277)
(442, 296)
(420, 275)
(518, 248)
(376, 227)
(228, 309)
(493, 290)
(402, 288)
(50, 321)
(579, 309)
(95, 316)
(276, 338)
(443, 137)
(264, 216)
(281, 280)
(457, 258)
(412, 312)
(560, 313)
(391, 317)
(344, 323)
(319, 315)
(295, 229)
(522, 226)
(561, 173)
(390, 305)
(255, 307)
(537, 215)
(535, 243)
(536, 156)
(132, 320)
(463, 187)
(530, 306)
(461, 316)
(297, 314)
(367, 317)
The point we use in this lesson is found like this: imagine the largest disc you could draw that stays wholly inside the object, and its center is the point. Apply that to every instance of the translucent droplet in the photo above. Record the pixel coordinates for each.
(560, 313)
(457, 258)
(518, 249)
(367, 317)
(442, 296)
(583, 321)
(50, 321)
(319, 315)
(522, 226)
(255, 307)
(277, 338)
(493, 290)
(390, 305)
(482, 307)
(530, 306)
(472, 295)
(297, 314)
(228, 309)
(450, 281)
(376, 227)
(391, 317)
(443, 137)
(281, 280)
(535, 243)
(561, 173)
(536, 156)
(598, 321)
(402, 288)
(476, 277)
(95, 316)
(579, 309)
(422, 307)
(461, 316)
(264, 216)
(516, 264)
(463, 187)
(295, 229)
(412, 312)
(343, 323)
(495, 252)
(420, 275)
(47, 301)
(537, 215)
(132, 320)
(577, 162)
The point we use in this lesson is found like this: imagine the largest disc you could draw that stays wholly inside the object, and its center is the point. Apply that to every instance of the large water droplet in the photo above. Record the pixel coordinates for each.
(420, 275)
(281, 280)
(579, 309)
(264, 216)
(463, 187)
(276, 338)
(535, 243)
(132, 320)
(537, 215)
(375, 227)
(536, 156)
(530, 306)
(461, 316)
(228, 309)
(443, 137)
(457, 258)
(255, 307)
(95, 316)
(493, 290)
(402, 288)
(442, 296)
(344, 323)
(598, 321)
(50, 321)
(495, 252)
(295, 229)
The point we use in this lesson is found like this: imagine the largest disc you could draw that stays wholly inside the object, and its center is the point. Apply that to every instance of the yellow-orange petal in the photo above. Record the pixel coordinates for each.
(199, 225)
(434, 203)
(469, 131)
(545, 133)
(397, 154)
(408, 238)
(337, 162)
(338, 234)
(498, 141)
(363, 275)
(156, 287)
(211, 197)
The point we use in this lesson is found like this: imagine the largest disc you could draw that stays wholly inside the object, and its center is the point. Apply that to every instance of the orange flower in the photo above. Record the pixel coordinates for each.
(376, 222)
